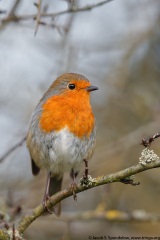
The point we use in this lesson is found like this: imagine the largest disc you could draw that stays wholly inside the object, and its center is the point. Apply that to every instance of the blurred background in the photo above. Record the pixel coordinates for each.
(117, 47)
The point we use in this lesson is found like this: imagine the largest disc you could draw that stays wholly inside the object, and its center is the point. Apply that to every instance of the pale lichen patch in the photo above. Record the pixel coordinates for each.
(147, 156)
(87, 182)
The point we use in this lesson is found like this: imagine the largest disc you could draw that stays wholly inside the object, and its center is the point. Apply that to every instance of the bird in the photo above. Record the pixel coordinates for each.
(62, 133)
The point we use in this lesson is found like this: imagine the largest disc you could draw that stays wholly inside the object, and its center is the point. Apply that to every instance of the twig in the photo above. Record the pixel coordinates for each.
(115, 177)
(12, 149)
(45, 15)
(146, 142)
(13, 237)
(38, 19)
(13, 9)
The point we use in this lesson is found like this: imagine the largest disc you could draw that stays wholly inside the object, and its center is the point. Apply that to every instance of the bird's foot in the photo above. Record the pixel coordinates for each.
(44, 203)
(73, 186)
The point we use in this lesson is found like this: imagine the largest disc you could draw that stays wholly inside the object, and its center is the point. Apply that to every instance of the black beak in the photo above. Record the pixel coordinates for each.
(91, 88)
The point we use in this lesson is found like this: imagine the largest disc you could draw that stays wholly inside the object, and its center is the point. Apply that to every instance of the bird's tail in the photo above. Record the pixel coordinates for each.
(54, 187)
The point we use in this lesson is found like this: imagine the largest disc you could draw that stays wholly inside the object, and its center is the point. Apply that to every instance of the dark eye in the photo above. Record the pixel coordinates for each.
(71, 86)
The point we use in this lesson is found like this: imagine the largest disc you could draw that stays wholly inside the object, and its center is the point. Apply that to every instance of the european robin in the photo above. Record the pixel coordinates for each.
(62, 132)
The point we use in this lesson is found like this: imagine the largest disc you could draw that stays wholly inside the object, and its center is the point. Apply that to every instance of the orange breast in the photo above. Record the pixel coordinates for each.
(71, 111)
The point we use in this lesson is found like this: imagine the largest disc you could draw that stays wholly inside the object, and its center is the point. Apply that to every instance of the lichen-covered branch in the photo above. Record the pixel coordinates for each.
(124, 176)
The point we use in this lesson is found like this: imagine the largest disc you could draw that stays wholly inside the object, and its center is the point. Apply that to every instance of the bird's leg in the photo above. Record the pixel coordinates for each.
(85, 176)
(86, 180)
(46, 194)
(73, 186)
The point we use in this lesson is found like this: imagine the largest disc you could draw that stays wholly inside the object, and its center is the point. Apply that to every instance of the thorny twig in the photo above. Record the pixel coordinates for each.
(146, 141)
(14, 17)
(14, 237)
(38, 19)
(14, 7)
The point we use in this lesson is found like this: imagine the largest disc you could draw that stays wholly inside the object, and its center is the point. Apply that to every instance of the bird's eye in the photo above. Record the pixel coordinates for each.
(71, 86)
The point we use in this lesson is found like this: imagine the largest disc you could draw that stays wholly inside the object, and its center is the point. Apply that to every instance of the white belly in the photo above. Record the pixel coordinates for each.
(62, 151)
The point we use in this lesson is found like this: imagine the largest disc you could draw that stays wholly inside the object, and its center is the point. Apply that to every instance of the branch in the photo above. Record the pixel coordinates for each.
(45, 15)
(38, 19)
(120, 176)
(14, 8)
(146, 141)
(112, 216)
(12, 149)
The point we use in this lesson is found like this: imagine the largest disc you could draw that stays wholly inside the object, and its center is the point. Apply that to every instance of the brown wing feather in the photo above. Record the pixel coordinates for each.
(35, 169)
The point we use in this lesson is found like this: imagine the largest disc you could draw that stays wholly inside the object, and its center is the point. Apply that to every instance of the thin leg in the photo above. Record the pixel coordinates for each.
(85, 176)
(46, 194)
(73, 184)
(73, 174)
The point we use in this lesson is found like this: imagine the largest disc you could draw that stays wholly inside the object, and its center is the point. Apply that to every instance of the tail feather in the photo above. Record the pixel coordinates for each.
(54, 187)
